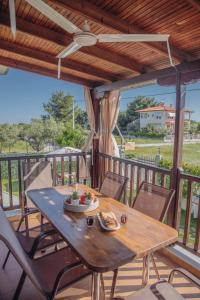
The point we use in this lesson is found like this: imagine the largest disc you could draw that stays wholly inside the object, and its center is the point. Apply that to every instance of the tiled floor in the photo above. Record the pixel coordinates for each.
(129, 280)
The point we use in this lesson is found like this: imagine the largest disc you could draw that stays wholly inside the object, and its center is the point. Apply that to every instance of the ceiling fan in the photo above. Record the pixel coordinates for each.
(83, 37)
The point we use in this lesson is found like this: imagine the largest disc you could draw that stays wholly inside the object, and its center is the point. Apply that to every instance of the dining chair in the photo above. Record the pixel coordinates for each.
(113, 185)
(44, 235)
(154, 201)
(162, 290)
(35, 176)
(49, 274)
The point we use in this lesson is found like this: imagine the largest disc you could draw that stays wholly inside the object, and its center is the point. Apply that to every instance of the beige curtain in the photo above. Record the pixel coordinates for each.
(83, 167)
(109, 111)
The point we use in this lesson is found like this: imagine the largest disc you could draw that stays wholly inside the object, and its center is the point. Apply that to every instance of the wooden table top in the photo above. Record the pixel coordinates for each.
(103, 251)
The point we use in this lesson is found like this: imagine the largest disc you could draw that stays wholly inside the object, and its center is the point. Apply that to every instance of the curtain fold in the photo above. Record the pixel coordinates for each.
(84, 171)
(109, 111)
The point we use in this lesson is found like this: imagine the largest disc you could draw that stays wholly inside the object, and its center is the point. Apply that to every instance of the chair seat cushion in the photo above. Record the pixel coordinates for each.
(48, 267)
(160, 291)
(27, 240)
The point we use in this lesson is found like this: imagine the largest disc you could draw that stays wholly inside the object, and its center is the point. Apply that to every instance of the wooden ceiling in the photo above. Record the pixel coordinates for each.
(38, 40)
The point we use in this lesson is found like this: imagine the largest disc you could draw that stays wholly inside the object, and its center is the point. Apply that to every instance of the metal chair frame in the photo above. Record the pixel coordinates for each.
(147, 259)
(157, 294)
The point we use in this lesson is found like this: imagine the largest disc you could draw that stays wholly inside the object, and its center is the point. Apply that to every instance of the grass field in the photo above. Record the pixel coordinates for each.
(191, 152)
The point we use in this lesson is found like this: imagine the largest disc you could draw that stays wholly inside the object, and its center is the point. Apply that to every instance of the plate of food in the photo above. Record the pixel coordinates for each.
(81, 203)
(108, 221)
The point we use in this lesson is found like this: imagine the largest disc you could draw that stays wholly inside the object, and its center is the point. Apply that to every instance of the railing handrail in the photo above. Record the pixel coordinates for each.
(32, 156)
(190, 177)
(135, 162)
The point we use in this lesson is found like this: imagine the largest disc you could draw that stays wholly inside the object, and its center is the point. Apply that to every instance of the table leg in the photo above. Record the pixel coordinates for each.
(145, 275)
(96, 286)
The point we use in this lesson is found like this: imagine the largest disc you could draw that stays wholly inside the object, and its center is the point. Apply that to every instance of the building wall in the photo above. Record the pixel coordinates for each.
(159, 119)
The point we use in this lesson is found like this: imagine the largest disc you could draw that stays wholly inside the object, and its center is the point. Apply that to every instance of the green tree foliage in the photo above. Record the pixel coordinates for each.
(81, 118)
(72, 137)
(8, 136)
(43, 131)
(60, 107)
(24, 134)
(198, 127)
(3, 136)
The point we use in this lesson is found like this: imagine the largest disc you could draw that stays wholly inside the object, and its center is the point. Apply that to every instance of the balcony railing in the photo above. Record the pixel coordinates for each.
(188, 190)
(65, 169)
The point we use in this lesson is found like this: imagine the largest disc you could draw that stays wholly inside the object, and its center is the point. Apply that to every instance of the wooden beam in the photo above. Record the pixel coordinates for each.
(179, 124)
(95, 142)
(42, 56)
(186, 78)
(63, 40)
(111, 21)
(13, 63)
(195, 4)
(178, 149)
(149, 78)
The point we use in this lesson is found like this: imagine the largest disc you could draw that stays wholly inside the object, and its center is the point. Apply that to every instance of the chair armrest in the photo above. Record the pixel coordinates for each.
(24, 215)
(61, 274)
(39, 238)
(186, 274)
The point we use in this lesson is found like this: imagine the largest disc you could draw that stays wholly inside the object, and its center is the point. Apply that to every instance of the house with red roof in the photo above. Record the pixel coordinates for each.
(161, 117)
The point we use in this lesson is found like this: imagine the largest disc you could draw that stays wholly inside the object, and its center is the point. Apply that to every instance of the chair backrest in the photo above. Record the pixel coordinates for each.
(153, 200)
(113, 185)
(39, 176)
(7, 235)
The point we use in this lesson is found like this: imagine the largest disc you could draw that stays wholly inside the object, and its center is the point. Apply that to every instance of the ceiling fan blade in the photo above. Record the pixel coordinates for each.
(120, 38)
(73, 47)
(12, 17)
(54, 16)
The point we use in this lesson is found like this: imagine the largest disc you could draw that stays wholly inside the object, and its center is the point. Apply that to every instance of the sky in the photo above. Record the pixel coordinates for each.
(22, 95)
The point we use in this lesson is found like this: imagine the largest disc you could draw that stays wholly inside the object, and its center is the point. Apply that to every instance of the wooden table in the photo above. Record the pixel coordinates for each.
(103, 251)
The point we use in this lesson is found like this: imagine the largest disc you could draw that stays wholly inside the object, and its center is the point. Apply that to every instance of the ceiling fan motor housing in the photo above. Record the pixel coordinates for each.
(85, 39)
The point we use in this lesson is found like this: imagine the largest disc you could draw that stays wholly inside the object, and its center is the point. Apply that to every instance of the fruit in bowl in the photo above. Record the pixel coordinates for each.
(83, 199)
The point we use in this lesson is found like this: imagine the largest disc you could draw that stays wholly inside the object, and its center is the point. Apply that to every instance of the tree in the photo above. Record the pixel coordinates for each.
(43, 131)
(36, 135)
(138, 103)
(24, 134)
(122, 121)
(72, 137)
(198, 127)
(3, 136)
(8, 136)
(60, 107)
(52, 130)
(81, 118)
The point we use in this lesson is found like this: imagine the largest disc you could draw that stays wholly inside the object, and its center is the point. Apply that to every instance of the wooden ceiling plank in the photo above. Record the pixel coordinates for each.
(32, 53)
(70, 64)
(195, 4)
(64, 39)
(104, 18)
(13, 63)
